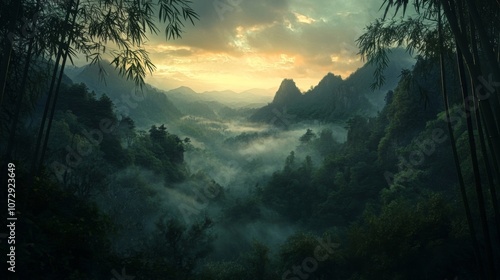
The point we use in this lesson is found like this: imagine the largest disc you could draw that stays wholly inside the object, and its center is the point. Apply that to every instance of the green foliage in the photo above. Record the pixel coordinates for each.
(297, 247)
(253, 265)
(172, 252)
(241, 211)
(60, 228)
(404, 241)
(258, 263)
(418, 34)
(305, 246)
(413, 103)
(181, 246)
(307, 137)
(357, 128)
(411, 229)
(97, 24)
(326, 144)
(290, 191)
(245, 138)
(162, 152)
(227, 270)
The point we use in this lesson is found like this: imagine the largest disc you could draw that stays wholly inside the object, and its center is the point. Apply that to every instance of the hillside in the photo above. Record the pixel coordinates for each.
(334, 98)
(145, 106)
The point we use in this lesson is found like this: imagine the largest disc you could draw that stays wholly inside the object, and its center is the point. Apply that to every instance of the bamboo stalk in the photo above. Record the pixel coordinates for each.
(463, 192)
(34, 166)
(61, 73)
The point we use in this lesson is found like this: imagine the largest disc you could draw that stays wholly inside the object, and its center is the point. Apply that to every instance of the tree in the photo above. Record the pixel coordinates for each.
(357, 128)
(158, 134)
(406, 240)
(126, 129)
(92, 28)
(258, 262)
(455, 26)
(181, 246)
(307, 137)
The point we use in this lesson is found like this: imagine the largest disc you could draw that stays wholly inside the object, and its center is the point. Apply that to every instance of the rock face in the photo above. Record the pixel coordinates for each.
(288, 93)
(328, 84)
(328, 101)
(334, 98)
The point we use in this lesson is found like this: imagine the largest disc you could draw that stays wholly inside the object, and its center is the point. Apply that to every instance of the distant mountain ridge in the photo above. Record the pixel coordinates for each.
(218, 104)
(333, 98)
(255, 97)
(146, 107)
(156, 106)
(287, 93)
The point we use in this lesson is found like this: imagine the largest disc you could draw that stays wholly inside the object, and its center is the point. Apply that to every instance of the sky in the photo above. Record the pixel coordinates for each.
(245, 44)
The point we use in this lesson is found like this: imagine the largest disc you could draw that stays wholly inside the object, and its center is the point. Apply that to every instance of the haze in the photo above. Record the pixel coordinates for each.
(238, 45)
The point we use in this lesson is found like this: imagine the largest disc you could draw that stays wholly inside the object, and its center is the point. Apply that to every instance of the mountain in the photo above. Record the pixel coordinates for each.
(249, 98)
(146, 107)
(362, 78)
(235, 99)
(327, 84)
(287, 94)
(218, 104)
(259, 91)
(183, 91)
(328, 101)
(333, 98)
(192, 103)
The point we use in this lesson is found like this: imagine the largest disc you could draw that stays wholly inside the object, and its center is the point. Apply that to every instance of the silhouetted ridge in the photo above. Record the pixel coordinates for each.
(328, 84)
(335, 99)
(287, 93)
(149, 106)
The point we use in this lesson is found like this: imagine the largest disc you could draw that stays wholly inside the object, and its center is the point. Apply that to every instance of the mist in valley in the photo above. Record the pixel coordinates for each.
(242, 158)
(229, 161)
(250, 140)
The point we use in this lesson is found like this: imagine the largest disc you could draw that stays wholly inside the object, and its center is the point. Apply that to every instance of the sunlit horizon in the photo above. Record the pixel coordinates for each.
(244, 45)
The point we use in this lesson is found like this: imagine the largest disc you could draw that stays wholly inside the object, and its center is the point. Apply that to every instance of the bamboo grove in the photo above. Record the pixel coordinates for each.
(39, 38)
(470, 31)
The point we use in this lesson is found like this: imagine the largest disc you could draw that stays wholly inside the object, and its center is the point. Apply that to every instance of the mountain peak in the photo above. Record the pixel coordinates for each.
(102, 74)
(327, 85)
(183, 90)
(287, 92)
(330, 79)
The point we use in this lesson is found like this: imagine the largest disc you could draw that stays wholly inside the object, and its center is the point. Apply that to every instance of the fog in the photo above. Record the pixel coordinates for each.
(238, 162)
(241, 157)
(227, 161)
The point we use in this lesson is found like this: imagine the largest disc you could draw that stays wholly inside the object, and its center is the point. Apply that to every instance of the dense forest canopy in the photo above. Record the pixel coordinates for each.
(390, 173)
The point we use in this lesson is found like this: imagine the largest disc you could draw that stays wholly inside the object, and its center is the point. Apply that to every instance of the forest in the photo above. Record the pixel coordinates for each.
(389, 173)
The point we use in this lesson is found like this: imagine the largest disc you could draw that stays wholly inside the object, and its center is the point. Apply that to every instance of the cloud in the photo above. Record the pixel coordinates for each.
(239, 41)
(303, 18)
